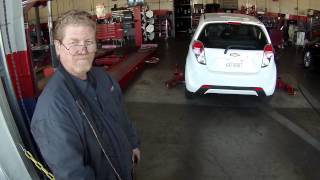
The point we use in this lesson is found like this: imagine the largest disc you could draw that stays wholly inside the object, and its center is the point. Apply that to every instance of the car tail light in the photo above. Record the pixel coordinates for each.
(198, 50)
(267, 55)
(206, 86)
(258, 89)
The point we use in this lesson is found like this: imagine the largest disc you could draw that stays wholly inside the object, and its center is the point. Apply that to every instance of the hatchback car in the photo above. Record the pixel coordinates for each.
(311, 55)
(230, 54)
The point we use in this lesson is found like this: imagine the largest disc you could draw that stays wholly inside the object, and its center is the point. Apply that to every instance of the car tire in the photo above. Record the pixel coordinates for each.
(307, 60)
(188, 94)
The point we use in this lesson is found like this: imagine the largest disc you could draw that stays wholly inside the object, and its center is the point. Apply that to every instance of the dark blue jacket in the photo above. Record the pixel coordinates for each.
(65, 139)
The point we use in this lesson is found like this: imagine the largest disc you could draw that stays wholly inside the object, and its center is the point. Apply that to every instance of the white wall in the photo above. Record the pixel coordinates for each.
(314, 4)
(279, 6)
(164, 4)
(284, 6)
(61, 6)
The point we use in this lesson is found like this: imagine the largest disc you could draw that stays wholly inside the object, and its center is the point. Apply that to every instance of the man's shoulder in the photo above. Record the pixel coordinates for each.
(55, 87)
(53, 106)
(54, 94)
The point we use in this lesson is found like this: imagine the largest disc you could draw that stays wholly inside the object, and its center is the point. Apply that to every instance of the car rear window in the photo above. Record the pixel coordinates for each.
(233, 36)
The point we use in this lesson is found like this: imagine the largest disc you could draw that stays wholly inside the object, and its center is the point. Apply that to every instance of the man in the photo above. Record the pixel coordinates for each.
(66, 140)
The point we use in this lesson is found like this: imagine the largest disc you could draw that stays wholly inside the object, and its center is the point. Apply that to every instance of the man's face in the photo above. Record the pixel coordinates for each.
(77, 49)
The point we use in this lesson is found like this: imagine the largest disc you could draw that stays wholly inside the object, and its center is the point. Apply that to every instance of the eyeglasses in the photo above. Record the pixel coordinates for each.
(76, 48)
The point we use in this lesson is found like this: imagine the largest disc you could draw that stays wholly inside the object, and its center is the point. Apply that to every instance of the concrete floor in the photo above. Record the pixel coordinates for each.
(222, 136)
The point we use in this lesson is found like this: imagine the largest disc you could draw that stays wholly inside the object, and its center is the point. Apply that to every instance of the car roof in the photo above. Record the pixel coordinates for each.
(229, 17)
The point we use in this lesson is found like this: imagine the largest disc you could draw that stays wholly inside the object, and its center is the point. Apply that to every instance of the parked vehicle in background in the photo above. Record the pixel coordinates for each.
(311, 54)
(230, 54)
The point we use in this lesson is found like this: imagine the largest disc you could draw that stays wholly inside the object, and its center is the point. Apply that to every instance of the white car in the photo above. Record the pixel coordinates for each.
(230, 54)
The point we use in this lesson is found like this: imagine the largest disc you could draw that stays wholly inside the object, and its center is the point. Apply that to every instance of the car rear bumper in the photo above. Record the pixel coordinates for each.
(205, 89)
(200, 80)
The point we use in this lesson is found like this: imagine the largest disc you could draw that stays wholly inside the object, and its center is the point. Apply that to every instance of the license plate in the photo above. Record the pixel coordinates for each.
(233, 65)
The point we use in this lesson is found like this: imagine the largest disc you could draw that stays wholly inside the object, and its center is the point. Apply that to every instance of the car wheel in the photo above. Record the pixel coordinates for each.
(307, 59)
(188, 94)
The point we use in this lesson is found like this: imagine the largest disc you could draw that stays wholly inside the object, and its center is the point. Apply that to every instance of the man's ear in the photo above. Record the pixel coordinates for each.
(57, 46)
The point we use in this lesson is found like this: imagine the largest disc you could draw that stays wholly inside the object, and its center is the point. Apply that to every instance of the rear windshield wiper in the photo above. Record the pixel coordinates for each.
(238, 46)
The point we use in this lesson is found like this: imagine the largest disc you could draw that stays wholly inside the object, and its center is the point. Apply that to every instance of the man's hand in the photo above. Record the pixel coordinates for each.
(136, 156)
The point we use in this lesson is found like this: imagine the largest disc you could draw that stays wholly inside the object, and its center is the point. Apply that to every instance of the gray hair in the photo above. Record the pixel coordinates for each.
(72, 17)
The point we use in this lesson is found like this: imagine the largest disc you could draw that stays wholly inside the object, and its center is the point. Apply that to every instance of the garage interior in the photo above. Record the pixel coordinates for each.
(143, 44)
